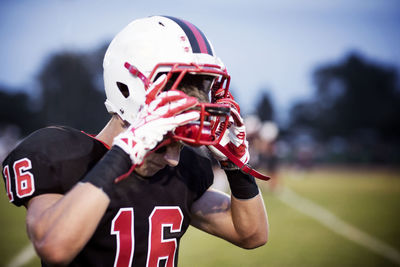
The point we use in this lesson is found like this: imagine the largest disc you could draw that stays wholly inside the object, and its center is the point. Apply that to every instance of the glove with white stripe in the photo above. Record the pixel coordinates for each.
(233, 151)
(162, 113)
(234, 138)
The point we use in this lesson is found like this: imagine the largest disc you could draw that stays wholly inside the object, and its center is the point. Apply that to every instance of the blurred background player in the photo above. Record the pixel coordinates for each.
(262, 137)
(126, 196)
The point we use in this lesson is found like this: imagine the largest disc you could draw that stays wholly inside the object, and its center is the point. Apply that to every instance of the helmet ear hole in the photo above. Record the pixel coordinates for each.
(123, 88)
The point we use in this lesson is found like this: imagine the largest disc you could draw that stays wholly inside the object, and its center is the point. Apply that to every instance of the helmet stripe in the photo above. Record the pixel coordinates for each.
(197, 39)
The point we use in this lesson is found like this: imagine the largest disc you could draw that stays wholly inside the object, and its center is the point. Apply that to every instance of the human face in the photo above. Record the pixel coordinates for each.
(168, 155)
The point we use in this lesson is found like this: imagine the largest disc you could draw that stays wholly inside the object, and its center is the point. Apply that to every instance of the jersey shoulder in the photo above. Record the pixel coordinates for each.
(55, 142)
(50, 160)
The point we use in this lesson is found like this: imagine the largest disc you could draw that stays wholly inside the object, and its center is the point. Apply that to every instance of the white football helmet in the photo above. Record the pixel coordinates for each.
(153, 45)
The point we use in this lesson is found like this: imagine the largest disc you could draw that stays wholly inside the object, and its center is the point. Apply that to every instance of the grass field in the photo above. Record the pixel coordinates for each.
(368, 200)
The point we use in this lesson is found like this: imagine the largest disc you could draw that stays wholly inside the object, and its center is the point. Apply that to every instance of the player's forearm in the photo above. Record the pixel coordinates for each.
(62, 228)
(250, 221)
(247, 210)
(241, 222)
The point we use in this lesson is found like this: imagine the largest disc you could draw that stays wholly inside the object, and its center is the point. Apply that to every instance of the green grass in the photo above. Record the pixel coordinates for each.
(369, 200)
(366, 199)
(13, 236)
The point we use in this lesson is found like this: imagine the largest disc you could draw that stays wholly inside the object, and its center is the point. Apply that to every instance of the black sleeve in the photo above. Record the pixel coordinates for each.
(28, 174)
(197, 169)
(50, 160)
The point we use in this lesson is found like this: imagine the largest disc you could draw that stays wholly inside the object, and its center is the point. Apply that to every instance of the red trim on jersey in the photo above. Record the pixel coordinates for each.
(94, 137)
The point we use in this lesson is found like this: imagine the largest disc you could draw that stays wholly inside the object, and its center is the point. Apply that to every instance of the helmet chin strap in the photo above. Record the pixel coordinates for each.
(243, 166)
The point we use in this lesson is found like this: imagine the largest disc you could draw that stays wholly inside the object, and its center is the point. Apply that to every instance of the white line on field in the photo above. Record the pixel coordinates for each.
(23, 257)
(337, 225)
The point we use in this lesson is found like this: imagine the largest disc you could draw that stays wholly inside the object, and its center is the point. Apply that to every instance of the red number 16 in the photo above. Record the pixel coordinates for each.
(24, 180)
(159, 248)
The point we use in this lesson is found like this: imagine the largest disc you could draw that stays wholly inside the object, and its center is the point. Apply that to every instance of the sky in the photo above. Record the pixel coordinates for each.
(271, 46)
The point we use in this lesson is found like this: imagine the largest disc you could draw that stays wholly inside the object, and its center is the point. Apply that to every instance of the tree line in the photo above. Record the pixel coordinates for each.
(353, 115)
(70, 93)
(355, 110)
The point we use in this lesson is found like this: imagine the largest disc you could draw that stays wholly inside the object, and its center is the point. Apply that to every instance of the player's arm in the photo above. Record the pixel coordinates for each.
(60, 225)
(242, 222)
(240, 219)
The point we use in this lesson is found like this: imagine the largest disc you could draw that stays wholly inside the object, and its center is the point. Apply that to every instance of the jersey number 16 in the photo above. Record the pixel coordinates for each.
(159, 248)
(24, 182)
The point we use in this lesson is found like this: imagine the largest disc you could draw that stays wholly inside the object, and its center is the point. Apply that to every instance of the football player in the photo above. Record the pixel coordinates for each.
(126, 196)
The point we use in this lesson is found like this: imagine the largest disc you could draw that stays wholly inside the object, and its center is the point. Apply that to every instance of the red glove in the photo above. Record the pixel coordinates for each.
(234, 138)
(233, 149)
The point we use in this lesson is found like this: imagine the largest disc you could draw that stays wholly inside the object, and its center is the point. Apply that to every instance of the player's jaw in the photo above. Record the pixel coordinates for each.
(156, 161)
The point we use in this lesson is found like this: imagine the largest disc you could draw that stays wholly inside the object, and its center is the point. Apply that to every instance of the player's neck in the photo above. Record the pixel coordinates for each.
(112, 129)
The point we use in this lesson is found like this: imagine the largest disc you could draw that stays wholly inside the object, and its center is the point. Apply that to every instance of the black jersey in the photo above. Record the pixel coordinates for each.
(146, 217)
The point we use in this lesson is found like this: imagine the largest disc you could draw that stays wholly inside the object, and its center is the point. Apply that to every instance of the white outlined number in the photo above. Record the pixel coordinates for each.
(159, 248)
(25, 184)
(6, 173)
(24, 179)
(122, 226)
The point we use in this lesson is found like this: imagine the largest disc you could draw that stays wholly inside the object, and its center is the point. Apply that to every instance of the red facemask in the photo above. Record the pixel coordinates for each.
(207, 130)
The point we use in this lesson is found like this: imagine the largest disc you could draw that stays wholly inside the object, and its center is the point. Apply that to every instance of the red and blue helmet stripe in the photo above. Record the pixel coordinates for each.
(197, 39)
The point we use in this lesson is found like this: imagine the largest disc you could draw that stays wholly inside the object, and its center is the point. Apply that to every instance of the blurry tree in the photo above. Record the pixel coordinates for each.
(356, 100)
(94, 63)
(69, 93)
(265, 109)
(16, 109)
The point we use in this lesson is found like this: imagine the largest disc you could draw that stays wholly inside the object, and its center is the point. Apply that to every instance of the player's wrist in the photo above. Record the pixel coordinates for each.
(243, 185)
(114, 163)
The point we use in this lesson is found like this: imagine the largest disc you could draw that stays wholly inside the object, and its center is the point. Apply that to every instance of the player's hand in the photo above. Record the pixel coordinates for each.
(162, 113)
(234, 138)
